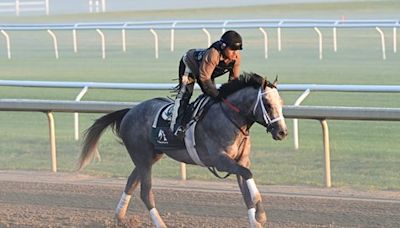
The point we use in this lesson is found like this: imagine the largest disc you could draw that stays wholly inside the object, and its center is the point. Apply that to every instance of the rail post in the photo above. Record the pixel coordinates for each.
(17, 5)
(76, 115)
(296, 121)
(47, 7)
(124, 37)
(265, 42)
(103, 43)
(335, 37)
(320, 41)
(208, 37)
(183, 171)
(395, 39)
(8, 43)
(382, 42)
(54, 42)
(173, 36)
(155, 42)
(327, 156)
(280, 37)
(74, 39)
(52, 137)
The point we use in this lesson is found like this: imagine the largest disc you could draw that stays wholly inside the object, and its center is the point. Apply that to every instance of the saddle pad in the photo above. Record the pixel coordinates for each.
(161, 135)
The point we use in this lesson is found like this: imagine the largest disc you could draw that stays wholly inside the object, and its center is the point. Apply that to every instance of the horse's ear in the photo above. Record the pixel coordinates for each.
(265, 82)
(275, 83)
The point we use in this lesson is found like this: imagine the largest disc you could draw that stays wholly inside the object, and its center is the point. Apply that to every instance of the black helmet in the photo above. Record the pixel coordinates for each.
(232, 40)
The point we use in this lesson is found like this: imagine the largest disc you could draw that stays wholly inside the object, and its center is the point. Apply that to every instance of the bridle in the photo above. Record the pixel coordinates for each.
(258, 103)
(267, 119)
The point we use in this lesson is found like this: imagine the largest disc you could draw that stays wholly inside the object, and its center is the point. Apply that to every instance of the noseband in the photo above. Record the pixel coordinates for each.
(267, 119)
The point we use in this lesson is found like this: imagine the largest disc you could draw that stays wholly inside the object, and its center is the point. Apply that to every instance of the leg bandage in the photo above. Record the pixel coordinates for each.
(123, 202)
(252, 217)
(252, 189)
(156, 218)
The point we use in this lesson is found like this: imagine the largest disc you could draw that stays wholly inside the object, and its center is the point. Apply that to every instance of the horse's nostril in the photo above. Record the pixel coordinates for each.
(282, 133)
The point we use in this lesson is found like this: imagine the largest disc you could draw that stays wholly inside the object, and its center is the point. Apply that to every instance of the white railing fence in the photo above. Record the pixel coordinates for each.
(96, 6)
(305, 88)
(305, 112)
(205, 25)
(18, 6)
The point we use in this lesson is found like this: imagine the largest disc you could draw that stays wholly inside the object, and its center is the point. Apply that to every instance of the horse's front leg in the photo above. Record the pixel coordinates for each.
(256, 212)
(251, 195)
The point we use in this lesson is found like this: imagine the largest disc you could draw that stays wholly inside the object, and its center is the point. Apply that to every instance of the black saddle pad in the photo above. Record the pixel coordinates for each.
(161, 135)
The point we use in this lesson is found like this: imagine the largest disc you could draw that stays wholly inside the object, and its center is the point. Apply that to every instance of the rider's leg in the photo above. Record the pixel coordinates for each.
(186, 85)
(181, 103)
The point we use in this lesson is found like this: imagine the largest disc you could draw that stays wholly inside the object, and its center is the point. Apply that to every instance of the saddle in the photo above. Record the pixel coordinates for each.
(161, 135)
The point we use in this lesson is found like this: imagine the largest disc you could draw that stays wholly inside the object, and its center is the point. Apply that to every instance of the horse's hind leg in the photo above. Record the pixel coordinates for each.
(147, 196)
(132, 183)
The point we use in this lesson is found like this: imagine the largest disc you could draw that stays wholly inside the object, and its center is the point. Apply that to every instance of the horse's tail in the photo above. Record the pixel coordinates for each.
(93, 133)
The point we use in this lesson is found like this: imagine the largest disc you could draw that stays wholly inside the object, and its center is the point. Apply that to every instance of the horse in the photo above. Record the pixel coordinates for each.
(221, 135)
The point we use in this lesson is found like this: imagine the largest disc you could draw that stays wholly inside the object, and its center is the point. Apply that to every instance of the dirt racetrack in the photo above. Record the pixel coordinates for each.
(44, 199)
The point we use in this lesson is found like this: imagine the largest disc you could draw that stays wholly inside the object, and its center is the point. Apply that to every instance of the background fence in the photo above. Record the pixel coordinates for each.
(295, 111)
(18, 6)
(205, 26)
(318, 113)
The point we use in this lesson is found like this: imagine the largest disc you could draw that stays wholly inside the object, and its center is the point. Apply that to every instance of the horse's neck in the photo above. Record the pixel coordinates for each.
(243, 100)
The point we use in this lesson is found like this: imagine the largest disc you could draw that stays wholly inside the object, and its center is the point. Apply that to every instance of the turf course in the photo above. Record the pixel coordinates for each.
(364, 154)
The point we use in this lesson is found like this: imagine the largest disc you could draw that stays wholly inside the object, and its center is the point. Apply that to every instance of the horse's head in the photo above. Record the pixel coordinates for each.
(268, 110)
(267, 107)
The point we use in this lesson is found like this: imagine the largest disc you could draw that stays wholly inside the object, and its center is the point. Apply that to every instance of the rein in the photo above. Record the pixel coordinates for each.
(214, 171)
(246, 133)
(231, 106)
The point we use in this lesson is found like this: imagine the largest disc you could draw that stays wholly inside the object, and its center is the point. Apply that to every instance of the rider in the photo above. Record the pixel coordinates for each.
(203, 66)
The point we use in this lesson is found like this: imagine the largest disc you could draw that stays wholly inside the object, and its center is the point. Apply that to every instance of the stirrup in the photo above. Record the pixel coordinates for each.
(180, 132)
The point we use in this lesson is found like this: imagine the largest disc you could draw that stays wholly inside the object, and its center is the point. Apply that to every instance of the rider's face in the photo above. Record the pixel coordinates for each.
(230, 53)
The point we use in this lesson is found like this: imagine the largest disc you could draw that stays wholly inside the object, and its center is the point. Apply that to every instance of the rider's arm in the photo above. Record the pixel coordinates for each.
(207, 66)
(234, 74)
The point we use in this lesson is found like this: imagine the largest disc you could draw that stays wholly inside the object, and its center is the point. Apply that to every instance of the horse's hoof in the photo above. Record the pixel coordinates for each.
(256, 225)
(120, 219)
(261, 217)
(120, 222)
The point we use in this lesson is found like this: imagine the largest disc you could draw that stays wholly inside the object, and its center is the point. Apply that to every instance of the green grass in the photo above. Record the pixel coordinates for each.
(364, 154)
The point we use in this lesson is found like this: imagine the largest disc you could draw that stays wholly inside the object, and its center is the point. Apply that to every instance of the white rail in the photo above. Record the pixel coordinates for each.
(306, 88)
(205, 25)
(19, 6)
(169, 86)
(305, 112)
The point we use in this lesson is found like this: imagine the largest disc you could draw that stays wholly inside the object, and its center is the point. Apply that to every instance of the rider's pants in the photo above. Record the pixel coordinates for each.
(185, 91)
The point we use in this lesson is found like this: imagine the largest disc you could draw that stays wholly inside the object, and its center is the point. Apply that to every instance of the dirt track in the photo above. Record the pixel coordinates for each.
(43, 199)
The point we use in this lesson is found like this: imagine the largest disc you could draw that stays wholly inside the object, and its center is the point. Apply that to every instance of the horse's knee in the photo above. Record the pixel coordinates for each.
(226, 164)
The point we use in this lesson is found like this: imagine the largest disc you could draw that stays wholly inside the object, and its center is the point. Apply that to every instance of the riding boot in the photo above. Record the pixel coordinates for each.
(177, 125)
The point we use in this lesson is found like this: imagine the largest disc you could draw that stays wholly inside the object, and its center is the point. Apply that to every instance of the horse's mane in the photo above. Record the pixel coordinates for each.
(244, 80)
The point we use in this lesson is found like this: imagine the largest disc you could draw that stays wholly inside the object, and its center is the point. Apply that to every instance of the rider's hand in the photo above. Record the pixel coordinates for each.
(220, 97)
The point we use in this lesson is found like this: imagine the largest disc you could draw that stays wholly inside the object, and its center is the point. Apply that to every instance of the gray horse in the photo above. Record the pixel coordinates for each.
(222, 140)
